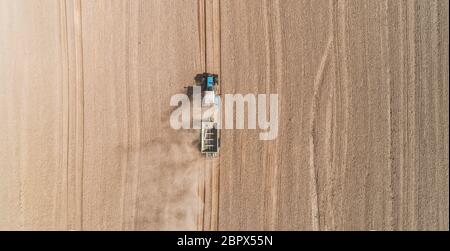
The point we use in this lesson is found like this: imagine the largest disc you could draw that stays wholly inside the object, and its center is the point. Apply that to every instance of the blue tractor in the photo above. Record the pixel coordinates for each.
(210, 131)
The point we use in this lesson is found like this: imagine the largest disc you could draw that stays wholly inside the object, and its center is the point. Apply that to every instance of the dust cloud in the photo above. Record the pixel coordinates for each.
(173, 177)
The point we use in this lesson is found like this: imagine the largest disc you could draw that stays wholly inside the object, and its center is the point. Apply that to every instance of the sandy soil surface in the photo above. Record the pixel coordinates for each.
(85, 141)
(363, 89)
